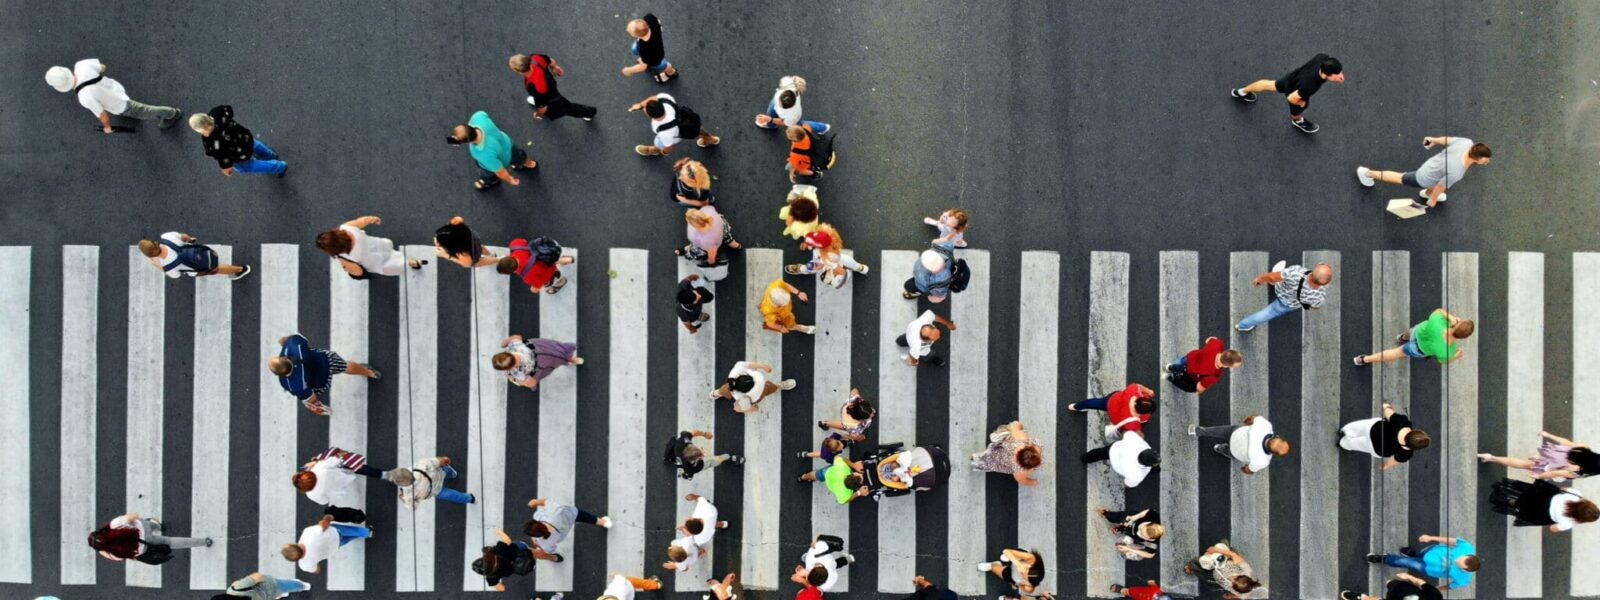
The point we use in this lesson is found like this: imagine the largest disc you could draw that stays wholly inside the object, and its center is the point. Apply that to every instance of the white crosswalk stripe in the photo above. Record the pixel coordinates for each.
(1180, 471)
(16, 270)
(1389, 505)
(1525, 402)
(213, 392)
(80, 318)
(347, 424)
(146, 397)
(762, 432)
(1247, 389)
(969, 426)
(696, 375)
(279, 273)
(625, 542)
(830, 387)
(1038, 347)
(1585, 404)
(1458, 486)
(486, 420)
(417, 379)
(1319, 461)
(897, 421)
(558, 419)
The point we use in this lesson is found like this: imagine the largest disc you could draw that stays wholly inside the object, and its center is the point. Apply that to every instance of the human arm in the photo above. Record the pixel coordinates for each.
(759, 366)
(1434, 539)
(537, 502)
(556, 67)
(1025, 477)
(504, 173)
(326, 522)
(501, 533)
(796, 292)
(1017, 433)
(1561, 440)
(1295, 99)
(1410, 578)
(510, 339)
(1126, 549)
(699, 433)
(1391, 463)
(1250, 420)
(951, 325)
(1435, 140)
(1388, 410)
(363, 222)
(1556, 474)
(1435, 193)
(105, 122)
(110, 556)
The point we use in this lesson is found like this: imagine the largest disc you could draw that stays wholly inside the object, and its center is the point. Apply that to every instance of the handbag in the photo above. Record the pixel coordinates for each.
(1111, 430)
(154, 554)
(1183, 380)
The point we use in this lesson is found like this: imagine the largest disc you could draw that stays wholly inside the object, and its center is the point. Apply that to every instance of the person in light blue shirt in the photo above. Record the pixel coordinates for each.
(1450, 560)
(492, 149)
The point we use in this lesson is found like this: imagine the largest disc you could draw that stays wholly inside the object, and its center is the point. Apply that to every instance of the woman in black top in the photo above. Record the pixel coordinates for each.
(692, 185)
(1404, 586)
(503, 560)
(457, 243)
(1141, 532)
(1391, 437)
(1538, 504)
(233, 146)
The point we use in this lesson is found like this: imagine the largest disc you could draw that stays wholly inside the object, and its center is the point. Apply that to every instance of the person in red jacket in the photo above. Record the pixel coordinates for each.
(1149, 591)
(1202, 367)
(536, 270)
(1128, 409)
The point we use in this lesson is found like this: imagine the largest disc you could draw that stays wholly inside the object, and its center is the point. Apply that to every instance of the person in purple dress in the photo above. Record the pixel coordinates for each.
(527, 362)
(1559, 459)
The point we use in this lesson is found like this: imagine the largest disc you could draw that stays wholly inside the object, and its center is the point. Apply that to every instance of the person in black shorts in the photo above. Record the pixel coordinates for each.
(1298, 85)
(649, 50)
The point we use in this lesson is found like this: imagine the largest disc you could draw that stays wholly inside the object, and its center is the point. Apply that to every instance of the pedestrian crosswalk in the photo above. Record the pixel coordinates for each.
(763, 541)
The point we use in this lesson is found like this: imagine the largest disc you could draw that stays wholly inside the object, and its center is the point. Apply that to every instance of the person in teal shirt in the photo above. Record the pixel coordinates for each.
(1450, 560)
(492, 149)
(1435, 338)
(842, 477)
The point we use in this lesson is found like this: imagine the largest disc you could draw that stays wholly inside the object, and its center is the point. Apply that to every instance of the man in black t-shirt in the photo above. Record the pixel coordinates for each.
(1298, 86)
(1404, 586)
(690, 458)
(650, 50)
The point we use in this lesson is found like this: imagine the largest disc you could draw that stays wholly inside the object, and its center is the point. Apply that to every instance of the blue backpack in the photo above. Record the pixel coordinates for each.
(199, 259)
(542, 249)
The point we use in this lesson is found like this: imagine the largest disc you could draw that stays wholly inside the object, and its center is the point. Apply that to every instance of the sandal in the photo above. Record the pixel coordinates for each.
(910, 296)
(480, 185)
(823, 425)
(417, 264)
(792, 269)
(703, 144)
(557, 287)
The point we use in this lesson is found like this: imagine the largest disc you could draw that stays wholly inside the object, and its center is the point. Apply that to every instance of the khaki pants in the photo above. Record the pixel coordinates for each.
(166, 115)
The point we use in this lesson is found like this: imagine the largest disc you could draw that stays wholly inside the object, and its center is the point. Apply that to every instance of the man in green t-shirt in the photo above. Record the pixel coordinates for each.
(843, 478)
(492, 150)
(1435, 337)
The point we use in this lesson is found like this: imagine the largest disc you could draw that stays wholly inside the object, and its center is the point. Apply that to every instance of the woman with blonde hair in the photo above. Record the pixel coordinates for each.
(827, 257)
(1139, 533)
(361, 254)
(692, 185)
(708, 234)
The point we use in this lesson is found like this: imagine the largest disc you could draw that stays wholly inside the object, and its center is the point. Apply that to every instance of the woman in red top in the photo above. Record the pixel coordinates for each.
(1128, 409)
(1202, 368)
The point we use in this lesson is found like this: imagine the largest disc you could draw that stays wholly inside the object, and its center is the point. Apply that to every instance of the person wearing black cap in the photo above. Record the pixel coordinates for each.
(1298, 86)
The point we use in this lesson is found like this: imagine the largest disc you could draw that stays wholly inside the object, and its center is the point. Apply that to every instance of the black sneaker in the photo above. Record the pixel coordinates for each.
(1374, 559)
(1305, 125)
(1247, 96)
(803, 454)
(285, 171)
(1349, 595)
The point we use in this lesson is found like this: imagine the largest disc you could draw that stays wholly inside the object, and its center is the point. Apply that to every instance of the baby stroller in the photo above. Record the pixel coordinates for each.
(894, 470)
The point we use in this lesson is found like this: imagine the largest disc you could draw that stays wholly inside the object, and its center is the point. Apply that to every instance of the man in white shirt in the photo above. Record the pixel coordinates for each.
(1253, 444)
(104, 96)
(318, 542)
(697, 532)
(919, 338)
(1131, 457)
(670, 124)
(747, 386)
(821, 563)
(177, 254)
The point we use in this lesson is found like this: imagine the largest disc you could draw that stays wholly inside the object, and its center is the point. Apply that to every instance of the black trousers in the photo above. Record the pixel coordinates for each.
(1097, 455)
(561, 107)
(835, 546)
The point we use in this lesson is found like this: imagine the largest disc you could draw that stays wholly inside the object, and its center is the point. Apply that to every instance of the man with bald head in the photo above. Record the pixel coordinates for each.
(1296, 288)
(307, 373)
(931, 275)
(919, 338)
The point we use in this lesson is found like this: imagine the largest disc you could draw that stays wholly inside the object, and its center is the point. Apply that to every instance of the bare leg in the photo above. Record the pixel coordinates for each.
(1390, 177)
(1260, 85)
(355, 368)
(227, 270)
(1394, 353)
(1515, 463)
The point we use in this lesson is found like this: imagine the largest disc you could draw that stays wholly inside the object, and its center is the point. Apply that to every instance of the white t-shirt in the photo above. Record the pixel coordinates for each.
(707, 513)
(690, 548)
(332, 481)
(320, 544)
(1558, 508)
(1125, 458)
(814, 557)
(375, 254)
(791, 115)
(1246, 444)
(105, 96)
(744, 400)
(619, 588)
(171, 256)
(916, 346)
(122, 522)
(668, 136)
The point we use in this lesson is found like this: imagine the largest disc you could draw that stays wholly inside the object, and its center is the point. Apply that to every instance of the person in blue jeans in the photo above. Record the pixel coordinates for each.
(785, 107)
(1295, 288)
(1450, 560)
(235, 149)
(260, 586)
(425, 480)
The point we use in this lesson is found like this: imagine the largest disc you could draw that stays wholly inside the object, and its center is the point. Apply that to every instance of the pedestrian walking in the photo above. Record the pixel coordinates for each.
(924, 332)
(527, 362)
(1295, 288)
(649, 50)
(697, 531)
(361, 254)
(931, 275)
(177, 254)
(1435, 338)
(952, 225)
(692, 296)
(454, 241)
(709, 235)
(1151, 590)
(130, 536)
(1297, 87)
(233, 146)
(691, 186)
(777, 310)
(1439, 172)
(538, 262)
(552, 524)
(539, 73)
(1131, 457)
(842, 476)
(690, 458)
(727, 589)
(1253, 444)
(327, 477)
(785, 109)
(820, 564)
(426, 479)
(318, 542)
(828, 260)
(1012, 451)
(1201, 368)
(671, 123)
(1559, 460)
(1228, 570)
(622, 587)
(1451, 560)
(1390, 437)
(1128, 409)
(307, 373)
(493, 151)
(1022, 569)
(260, 586)
(1541, 503)
(104, 96)
(747, 386)
(1138, 533)
(855, 416)
(503, 560)
(927, 590)
(827, 449)
(1404, 586)
(801, 211)
(810, 152)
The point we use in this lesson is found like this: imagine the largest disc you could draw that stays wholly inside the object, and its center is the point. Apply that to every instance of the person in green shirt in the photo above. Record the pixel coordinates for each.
(1435, 337)
(492, 149)
(843, 478)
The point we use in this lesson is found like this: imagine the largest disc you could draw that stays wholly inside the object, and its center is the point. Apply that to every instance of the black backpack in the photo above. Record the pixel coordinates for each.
(821, 152)
(542, 249)
(687, 122)
(194, 256)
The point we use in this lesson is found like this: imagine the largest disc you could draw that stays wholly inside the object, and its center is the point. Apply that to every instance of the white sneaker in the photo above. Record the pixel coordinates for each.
(1365, 176)
(984, 567)
(787, 384)
(807, 329)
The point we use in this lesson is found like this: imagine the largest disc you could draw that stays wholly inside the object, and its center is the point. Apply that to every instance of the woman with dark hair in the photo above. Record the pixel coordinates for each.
(503, 560)
(361, 254)
(748, 384)
(527, 362)
(854, 418)
(1228, 570)
(1542, 503)
(692, 186)
(1391, 437)
(1139, 532)
(1559, 459)
(1023, 569)
(801, 212)
(1011, 451)
(131, 537)
(457, 243)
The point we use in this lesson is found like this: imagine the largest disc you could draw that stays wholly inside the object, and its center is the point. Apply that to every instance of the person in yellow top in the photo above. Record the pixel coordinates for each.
(777, 308)
(801, 211)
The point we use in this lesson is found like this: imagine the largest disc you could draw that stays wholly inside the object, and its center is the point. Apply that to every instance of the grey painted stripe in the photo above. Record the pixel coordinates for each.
(1525, 408)
(486, 418)
(897, 420)
(1585, 404)
(558, 420)
(830, 389)
(1247, 388)
(1040, 337)
(279, 274)
(347, 424)
(16, 522)
(147, 306)
(1319, 460)
(1458, 491)
(213, 392)
(696, 375)
(1180, 504)
(1389, 518)
(762, 433)
(628, 382)
(417, 402)
(969, 421)
(1108, 372)
(80, 306)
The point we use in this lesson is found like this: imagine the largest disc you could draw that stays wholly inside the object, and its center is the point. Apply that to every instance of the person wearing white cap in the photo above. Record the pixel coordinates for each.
(931, 275)
(104, 96)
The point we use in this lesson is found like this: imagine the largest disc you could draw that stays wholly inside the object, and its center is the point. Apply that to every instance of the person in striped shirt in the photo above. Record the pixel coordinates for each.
(1295, 288)
(307, 373)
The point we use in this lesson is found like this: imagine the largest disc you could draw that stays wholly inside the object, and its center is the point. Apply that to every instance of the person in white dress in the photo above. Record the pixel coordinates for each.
(362, 254)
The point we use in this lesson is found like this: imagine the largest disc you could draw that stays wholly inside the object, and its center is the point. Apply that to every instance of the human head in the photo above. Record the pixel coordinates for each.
(1586, 460)
(694, 172)
(60, 78)
(817, 576)
(854, 480)
(487, 563)
(817, 239)
(202, 123)
(859, 409)
(786, 98)
(638, 28)
(503, 361)
(292, 552)
(1231, 359)
(518, 63)
(795, 133)
(1244, 584)
(304, 481)
(1418, 439)
(742, 383)
(1332, 70)
(281, 366)
(1155, 530)
(462, 133)
(536, 529)
(401, 476)
(697, 218)
(1479, 153)
(932, 261)
(1463, 329)
(1150, 458)
(779, 296)
(1278, 445)
(694, 526)
(689, 296)
(1144, 406)
(1322, 274)
(834, 445)
(930, 333)
(1583, 511)
(677, 554)
(958, 218)
(693, 454)
(334, 242)
(1469, 563)
(149, 248)
(1029, 457)
(802, 209)
(506, 266)
(654, 109)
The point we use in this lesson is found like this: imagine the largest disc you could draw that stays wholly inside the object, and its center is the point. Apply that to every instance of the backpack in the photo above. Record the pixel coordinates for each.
(199, 259)
(1183, 381)
(540, 249)
(960, 276)
(821, 151)
(687, 122)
